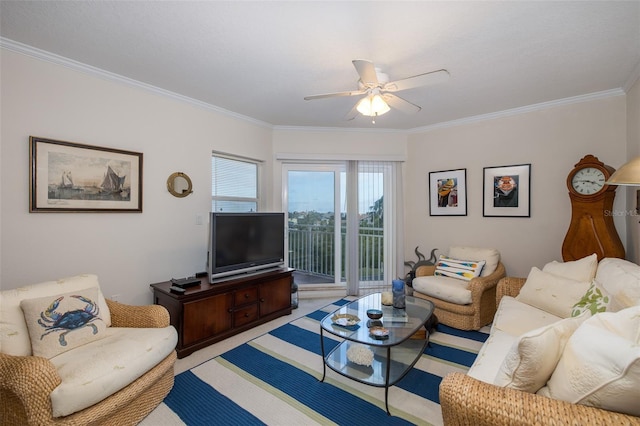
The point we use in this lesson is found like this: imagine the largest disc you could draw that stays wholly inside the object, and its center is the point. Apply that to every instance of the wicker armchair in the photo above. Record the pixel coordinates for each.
(27, 381)
(468, 401)
(475, 315)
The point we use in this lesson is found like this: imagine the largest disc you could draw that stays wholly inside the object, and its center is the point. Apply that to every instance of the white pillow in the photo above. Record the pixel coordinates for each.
(490, 256)
(63, 322)
(621, 279)
(595, 300)
(600, 365)
(533, 357)
(460, 269)
(551, 293)
(580, 270)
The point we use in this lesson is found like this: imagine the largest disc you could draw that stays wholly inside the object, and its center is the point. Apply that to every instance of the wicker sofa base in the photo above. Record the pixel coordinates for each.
(125, 407)
(467, 401)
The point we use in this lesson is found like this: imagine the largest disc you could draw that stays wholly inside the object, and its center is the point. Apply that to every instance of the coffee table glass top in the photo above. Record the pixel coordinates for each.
(400, 323)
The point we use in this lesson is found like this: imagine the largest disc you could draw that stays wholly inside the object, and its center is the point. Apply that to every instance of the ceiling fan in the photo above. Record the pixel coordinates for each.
(378, 90)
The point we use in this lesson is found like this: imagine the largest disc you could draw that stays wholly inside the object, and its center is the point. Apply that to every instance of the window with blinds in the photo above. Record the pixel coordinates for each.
(234, 184)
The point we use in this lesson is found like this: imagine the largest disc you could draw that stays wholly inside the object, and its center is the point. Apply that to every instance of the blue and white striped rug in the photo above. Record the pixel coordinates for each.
(274, 380)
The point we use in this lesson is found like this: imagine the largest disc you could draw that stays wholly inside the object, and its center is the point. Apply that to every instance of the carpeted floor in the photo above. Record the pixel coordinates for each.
(274, 379)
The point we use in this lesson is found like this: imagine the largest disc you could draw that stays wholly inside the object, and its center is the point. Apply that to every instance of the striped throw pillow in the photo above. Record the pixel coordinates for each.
(460, 269)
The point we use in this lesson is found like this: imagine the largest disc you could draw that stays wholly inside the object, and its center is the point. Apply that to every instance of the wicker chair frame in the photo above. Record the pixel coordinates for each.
(27, 381)
(475, 315)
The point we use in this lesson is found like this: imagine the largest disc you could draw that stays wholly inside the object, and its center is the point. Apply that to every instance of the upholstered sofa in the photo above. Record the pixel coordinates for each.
(68, 356)
(465, 304)
(575, 362)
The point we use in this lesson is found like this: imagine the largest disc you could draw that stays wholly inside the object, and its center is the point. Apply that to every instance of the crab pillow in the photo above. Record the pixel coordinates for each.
(62, 322)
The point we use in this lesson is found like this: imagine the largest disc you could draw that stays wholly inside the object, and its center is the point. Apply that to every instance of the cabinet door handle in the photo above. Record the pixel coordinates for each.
(229, 310)
(262, 300)
(246, 295)
(246, 315)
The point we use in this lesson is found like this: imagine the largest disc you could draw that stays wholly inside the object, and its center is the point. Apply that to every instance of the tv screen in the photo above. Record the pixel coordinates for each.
(245, 242)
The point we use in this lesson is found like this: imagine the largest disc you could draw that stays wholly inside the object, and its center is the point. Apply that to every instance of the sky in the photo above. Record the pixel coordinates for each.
(313, 190)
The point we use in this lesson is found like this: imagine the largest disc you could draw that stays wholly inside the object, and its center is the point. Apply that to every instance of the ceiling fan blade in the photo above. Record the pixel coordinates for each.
(336, 94)
(353, 113)
(433, 77)
(366, 71)
(401, 104)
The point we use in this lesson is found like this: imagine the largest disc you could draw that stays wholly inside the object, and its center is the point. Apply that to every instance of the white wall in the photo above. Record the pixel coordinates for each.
(551, 140)
(128, 251)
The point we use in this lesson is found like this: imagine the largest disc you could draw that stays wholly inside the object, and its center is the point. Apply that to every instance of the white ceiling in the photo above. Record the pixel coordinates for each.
(260, 59)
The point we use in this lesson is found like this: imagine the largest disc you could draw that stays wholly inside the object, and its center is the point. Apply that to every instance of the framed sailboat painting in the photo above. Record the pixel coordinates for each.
(71, 177)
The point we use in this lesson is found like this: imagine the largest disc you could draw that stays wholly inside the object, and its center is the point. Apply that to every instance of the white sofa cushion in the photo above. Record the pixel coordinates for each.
(62, 322)
(531, 360)
(444, 288)
(456, 268)
(552, 293)
(621, 279)
(600, 365)
(100, 368)
(580, 270)
(490, 256)
(14, 336)
(489, 359)
(516, 318)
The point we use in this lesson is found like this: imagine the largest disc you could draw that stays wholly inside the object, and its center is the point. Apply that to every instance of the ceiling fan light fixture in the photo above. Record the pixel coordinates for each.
(372, 106)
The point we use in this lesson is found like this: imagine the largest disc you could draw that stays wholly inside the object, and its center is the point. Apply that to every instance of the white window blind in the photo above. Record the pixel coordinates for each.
(234, 184)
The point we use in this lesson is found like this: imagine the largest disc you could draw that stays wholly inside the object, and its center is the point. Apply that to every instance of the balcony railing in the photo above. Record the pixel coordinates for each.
(312, 251)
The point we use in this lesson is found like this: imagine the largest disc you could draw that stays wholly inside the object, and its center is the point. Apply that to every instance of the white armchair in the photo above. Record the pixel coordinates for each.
(115, 365)
(467, 304)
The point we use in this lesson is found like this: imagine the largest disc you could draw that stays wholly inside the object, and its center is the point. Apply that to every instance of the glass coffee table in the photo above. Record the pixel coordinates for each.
(393, 355)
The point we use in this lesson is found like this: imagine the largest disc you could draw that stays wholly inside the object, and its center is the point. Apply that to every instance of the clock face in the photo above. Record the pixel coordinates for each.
(588, 181)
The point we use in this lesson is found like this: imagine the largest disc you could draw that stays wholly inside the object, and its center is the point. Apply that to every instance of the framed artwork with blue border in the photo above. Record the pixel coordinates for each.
(448, 193)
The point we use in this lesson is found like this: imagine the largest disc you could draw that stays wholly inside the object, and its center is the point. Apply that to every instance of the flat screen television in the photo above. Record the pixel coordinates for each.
(245, 242)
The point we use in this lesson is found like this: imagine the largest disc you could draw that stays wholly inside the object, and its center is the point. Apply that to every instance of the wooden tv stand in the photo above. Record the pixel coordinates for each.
(208, 313)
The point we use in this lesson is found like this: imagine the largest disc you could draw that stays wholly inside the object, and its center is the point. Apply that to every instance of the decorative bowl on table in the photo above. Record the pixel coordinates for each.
(374, 314)
(379, 333)
(345, 320)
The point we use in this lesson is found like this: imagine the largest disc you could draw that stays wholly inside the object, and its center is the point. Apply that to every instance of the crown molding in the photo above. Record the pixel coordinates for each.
(635, 76)
(24, 49)
(338, 129)
(34, 52)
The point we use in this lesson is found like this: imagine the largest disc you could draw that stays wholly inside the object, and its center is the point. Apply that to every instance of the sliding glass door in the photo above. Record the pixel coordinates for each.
(313, 199)
(330, 243)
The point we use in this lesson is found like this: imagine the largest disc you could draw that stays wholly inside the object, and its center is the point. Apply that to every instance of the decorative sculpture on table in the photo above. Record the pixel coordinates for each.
(422, 261)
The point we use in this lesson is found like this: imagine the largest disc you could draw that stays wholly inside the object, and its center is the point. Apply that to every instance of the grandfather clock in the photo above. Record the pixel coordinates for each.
(591, 229)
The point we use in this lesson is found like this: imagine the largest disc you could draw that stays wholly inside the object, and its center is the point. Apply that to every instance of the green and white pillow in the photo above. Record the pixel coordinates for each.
(63, 322)
(595, 300)
(461, 269)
